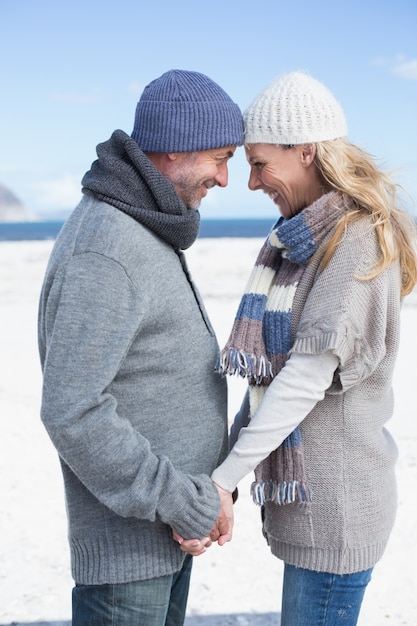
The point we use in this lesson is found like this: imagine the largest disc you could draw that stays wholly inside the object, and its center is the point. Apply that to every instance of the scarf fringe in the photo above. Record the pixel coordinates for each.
(238, 362)
(282, 493)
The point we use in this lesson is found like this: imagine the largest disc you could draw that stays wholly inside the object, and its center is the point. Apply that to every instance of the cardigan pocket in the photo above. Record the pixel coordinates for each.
(288, 523)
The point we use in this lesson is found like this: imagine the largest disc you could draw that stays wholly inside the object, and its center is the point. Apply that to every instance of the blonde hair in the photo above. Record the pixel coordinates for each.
(352, 171)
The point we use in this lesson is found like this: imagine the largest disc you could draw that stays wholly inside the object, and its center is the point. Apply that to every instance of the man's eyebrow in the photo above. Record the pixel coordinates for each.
(224, 155)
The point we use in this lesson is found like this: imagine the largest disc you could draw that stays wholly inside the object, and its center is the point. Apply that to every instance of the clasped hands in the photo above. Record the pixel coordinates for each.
(221, 532)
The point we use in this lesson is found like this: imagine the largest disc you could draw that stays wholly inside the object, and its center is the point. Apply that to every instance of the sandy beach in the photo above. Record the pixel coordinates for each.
(235, 585)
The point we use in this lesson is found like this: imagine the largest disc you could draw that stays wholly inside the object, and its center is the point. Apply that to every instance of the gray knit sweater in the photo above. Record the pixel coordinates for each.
(338, 322)
(349, 454)
(130, 397)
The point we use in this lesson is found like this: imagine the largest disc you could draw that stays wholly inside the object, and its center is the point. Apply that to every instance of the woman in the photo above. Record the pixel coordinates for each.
(317, 335)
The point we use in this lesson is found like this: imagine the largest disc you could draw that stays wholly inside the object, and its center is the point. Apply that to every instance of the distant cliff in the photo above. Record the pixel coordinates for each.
(11, 209)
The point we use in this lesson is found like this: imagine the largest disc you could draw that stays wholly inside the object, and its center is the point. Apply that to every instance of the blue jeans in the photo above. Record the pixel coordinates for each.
(321, 599)
(154, 602)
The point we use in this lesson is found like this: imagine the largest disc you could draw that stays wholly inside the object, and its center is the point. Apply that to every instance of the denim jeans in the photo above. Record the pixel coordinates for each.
(154, 602)
(321, 599)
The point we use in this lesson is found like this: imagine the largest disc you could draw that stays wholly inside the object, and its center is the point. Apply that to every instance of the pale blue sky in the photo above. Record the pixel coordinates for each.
(72, 72)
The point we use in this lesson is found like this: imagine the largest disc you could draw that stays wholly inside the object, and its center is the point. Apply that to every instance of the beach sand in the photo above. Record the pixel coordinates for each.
(235, 585)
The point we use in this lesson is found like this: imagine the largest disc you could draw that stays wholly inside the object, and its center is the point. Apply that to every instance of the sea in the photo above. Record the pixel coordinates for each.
(211, 228)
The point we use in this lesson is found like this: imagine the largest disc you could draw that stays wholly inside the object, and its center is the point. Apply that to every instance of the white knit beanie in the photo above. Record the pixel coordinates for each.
(294, 109)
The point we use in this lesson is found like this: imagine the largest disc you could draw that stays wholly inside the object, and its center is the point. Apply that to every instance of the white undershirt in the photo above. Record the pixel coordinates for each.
(290, 397)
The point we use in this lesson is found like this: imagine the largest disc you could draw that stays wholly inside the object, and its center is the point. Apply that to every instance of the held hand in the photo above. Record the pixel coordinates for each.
(195, 547)
(224, 525)
(221, 532)
(215, 533)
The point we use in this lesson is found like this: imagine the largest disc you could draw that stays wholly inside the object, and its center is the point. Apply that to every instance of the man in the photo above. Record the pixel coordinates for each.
(131, 400)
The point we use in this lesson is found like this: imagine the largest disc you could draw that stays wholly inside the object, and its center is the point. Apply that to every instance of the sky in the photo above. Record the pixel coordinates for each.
(72, 71)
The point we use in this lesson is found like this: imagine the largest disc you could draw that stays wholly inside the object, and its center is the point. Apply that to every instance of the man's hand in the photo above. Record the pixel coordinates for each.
(195, 547)
(221, 532)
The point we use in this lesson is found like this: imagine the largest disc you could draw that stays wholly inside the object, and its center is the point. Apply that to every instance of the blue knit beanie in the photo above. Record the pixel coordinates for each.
(185, 111)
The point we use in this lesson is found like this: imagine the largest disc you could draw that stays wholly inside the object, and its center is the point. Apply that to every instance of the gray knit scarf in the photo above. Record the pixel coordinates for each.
(125, 178)
(261, 336)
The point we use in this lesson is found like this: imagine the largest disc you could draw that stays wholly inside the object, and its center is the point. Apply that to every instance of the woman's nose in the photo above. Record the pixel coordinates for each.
(253, 181)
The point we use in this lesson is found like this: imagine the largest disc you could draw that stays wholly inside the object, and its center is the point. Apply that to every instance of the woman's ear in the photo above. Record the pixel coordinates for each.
(308, 153)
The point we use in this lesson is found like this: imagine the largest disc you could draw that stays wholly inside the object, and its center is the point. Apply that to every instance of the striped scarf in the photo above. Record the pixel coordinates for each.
(260, 341)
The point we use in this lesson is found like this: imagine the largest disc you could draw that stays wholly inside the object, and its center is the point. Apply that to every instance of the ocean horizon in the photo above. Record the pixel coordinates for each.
(209, 228)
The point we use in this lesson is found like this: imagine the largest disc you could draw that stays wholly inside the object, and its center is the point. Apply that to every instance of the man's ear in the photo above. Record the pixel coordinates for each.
(308, 153)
